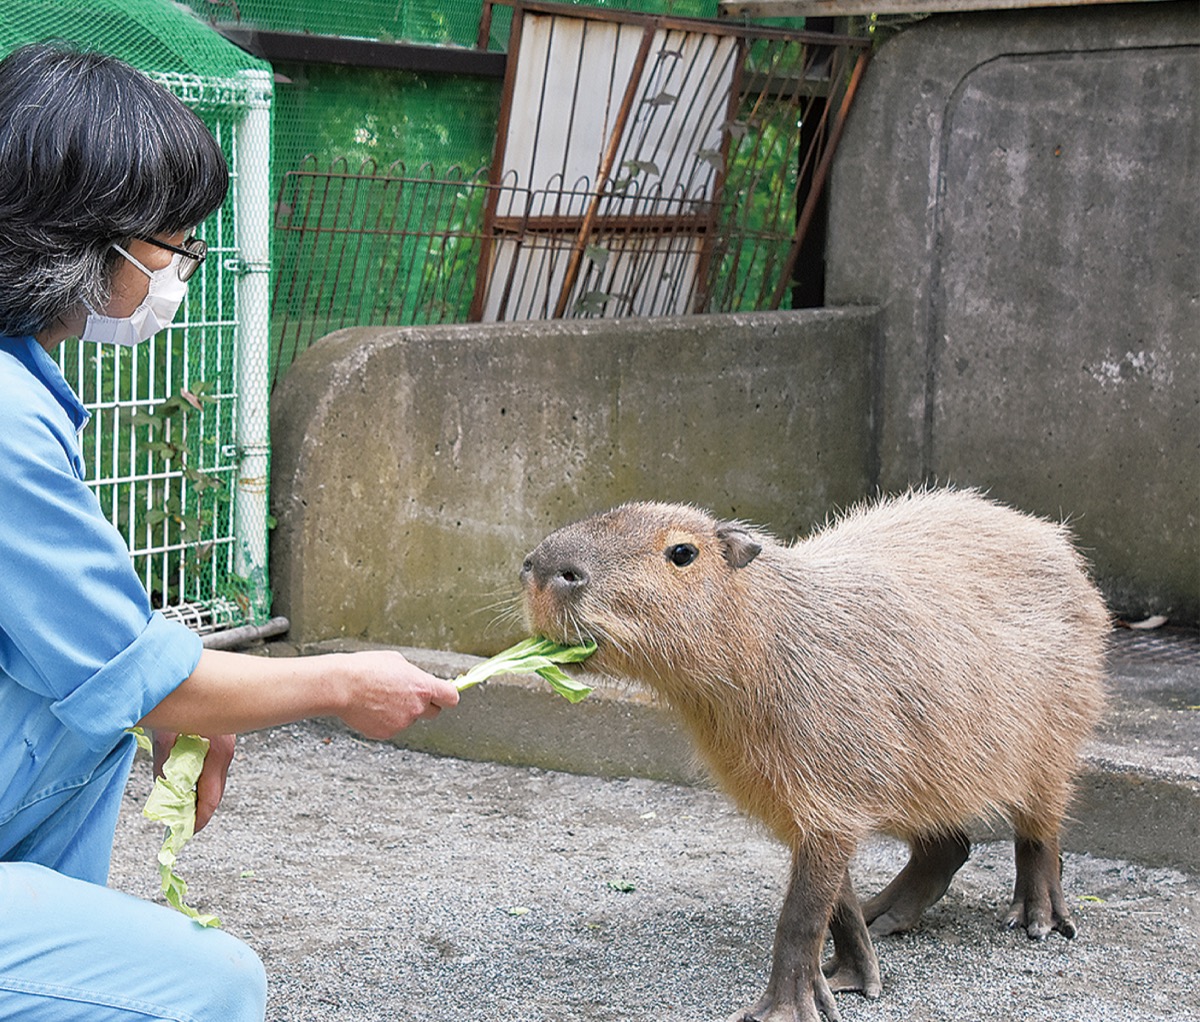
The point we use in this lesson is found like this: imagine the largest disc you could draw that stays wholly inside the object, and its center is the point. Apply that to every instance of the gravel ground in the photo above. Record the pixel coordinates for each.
(384, 884)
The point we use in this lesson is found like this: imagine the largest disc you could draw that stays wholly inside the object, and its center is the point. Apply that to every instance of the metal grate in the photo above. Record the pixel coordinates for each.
(371, 245)
(1176, 646)
(161, 451)
(176, 448)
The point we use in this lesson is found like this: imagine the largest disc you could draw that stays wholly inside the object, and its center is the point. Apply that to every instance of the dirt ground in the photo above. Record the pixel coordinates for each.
(383, 884)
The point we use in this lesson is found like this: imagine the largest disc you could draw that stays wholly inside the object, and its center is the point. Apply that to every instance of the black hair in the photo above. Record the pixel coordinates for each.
(92, 152)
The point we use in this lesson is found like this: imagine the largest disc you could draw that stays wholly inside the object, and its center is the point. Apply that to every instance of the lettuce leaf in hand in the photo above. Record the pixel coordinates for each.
(535, 656)
(173, 803)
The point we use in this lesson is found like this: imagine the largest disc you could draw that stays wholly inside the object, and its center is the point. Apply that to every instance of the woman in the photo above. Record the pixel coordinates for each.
(102, 176)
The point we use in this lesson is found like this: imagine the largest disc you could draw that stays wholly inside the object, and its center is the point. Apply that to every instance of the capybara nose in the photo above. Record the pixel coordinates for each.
(545, 572)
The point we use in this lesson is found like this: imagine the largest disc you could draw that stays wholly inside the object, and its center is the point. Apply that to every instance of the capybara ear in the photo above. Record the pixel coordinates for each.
(738, 546)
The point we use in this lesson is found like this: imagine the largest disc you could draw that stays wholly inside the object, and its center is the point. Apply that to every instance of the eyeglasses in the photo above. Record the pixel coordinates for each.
(193, 251)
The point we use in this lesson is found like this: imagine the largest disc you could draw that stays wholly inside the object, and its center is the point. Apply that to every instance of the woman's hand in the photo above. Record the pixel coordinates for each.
(385, 693)
(211, 784)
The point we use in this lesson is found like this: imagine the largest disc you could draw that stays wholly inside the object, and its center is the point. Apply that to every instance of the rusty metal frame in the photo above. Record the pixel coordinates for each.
(703, 227)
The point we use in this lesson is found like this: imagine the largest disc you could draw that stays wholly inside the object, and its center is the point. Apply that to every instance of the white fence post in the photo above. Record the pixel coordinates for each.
(252, 212)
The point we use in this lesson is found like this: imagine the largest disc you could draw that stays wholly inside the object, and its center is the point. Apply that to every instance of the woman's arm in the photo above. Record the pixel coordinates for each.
(376, 692)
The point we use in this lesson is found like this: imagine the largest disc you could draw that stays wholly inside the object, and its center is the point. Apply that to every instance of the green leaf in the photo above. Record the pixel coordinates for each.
(571, 690)
(143, 740)
(636, 167)
(737, 129)
(173, 803)
(592, 302)
(662, 99)
(597, 255)
(140, 418)
(535, 656)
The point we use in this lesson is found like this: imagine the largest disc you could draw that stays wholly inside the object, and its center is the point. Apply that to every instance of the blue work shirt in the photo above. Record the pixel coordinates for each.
(82, 655)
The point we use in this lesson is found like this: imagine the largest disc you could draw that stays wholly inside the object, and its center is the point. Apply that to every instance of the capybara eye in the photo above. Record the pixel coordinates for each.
(682, 554)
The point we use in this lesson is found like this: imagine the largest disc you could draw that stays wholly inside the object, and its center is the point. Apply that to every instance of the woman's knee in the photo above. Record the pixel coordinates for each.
(234, 980)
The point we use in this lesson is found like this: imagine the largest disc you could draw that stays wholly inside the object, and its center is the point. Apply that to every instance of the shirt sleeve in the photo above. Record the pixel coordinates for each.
(75, 622)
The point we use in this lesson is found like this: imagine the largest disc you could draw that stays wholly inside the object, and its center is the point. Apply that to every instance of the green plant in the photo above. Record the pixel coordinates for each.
(181, 497)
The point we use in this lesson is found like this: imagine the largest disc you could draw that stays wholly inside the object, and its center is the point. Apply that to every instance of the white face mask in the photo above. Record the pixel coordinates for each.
(155, 313)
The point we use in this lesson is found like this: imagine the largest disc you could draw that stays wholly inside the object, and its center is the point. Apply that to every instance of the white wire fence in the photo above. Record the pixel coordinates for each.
(176, 450)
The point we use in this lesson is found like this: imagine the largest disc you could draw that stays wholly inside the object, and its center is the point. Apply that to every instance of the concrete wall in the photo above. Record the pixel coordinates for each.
(1018, 193)
(413, 469)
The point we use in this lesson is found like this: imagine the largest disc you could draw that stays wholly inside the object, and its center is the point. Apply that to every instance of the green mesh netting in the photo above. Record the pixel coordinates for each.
(383, 116)
(153, 35)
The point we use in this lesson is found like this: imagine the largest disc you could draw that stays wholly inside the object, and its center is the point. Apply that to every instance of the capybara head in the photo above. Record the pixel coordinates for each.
(649, 583)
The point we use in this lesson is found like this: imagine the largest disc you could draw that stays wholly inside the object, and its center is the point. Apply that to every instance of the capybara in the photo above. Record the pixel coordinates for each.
(920, 662)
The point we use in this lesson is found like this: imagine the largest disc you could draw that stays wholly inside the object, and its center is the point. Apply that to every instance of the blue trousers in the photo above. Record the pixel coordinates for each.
(73, 949)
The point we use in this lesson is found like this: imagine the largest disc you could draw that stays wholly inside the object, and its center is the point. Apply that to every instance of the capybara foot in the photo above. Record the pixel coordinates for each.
(846, 976)
(778, 1007)
(853, 965)
(931, 866)
(1038, 904)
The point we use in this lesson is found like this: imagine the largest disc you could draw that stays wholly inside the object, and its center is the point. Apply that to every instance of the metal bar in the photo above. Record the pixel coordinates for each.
(702, 289)
(602, 178)
(484, 35)
(802, 189)
(487, 242)
(670, 21)
(235, 638)
(506, 293)
(626, 223)
(254, 340)
(303, 48)
(463, 252)
(386, 295)
(819, 176)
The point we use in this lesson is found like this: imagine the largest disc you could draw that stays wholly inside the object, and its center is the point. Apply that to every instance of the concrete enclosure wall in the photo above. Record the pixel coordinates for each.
(1013, 249)
(1017, 192)
(413, 469)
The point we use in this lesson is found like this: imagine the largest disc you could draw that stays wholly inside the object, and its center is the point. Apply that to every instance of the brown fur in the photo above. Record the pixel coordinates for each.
(919, 663)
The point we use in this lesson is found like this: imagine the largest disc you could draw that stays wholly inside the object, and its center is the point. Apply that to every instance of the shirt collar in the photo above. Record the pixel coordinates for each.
(39, 361)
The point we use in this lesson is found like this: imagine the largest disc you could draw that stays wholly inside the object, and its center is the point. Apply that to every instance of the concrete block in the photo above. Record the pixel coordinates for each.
(413, 468)
(1017, 191)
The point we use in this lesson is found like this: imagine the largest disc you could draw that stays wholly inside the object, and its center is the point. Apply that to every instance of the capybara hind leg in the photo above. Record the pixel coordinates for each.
(797, 990)
(931, 866)
(1038, 904)
(853, 965)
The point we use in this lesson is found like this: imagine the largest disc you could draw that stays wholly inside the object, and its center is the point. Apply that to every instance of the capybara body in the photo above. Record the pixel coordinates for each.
(920, 662)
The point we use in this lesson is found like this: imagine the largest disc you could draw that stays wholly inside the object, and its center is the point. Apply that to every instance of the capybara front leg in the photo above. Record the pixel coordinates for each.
(931, 866)
(853, 965)
(798, 990)
(1038, 903)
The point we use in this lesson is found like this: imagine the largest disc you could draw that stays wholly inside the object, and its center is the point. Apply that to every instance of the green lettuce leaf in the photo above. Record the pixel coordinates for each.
(173, 803)
(535, 656)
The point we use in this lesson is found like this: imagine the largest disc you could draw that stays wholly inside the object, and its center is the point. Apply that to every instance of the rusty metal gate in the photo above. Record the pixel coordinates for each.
(644, 165)
(662, 161)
